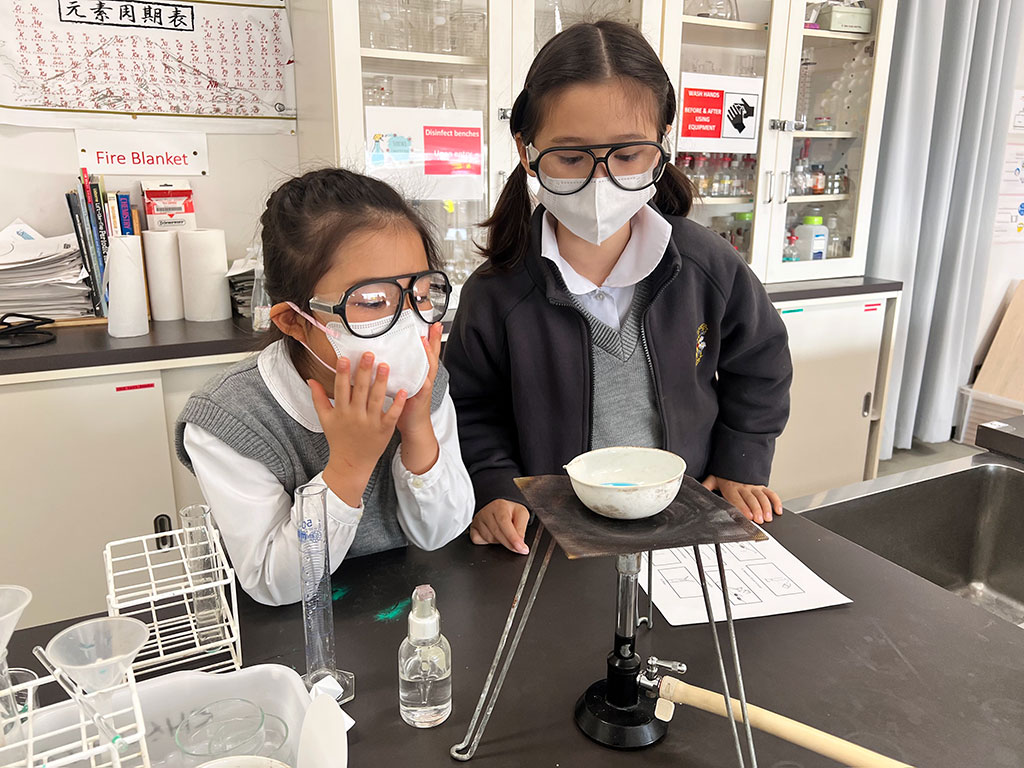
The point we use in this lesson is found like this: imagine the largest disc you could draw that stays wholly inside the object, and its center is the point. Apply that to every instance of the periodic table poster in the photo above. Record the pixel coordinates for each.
(228, 65)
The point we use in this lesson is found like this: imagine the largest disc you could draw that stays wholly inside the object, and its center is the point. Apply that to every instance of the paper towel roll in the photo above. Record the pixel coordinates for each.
(204, 263)
(125, 278)
(163, 274)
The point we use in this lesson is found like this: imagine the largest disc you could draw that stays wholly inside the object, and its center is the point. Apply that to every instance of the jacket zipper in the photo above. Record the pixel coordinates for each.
(650, 360)
(589, 442)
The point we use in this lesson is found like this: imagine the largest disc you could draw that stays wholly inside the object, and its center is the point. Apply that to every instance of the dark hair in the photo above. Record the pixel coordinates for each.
(307, 219)
(583, 53)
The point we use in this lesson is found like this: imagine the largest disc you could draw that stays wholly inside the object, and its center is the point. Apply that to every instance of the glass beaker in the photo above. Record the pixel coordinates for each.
(469, 28)
(441, 26)
(201, 568)
(446, 99)
(429, 93)
(385, 92)
(322, 673)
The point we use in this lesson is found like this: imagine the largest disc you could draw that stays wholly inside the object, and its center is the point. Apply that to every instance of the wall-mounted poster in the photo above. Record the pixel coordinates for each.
(719, 113)
(172, 65)
(429, 154)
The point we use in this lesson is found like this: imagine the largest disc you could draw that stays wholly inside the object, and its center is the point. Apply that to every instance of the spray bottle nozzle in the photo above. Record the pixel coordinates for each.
(424, 619)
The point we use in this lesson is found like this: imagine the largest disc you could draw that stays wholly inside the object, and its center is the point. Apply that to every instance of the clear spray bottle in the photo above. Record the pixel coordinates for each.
(425, 665)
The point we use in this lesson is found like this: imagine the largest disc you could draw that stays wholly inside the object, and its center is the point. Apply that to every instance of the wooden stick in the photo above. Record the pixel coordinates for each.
(792, 731)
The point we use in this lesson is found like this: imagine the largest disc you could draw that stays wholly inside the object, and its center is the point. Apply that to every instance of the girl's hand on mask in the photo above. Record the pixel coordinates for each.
(419, 444)
(756, 502)
(356, 426)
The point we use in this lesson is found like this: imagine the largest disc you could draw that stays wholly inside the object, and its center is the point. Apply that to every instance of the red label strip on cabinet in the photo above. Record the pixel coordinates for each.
(130, 387)
(872, 307)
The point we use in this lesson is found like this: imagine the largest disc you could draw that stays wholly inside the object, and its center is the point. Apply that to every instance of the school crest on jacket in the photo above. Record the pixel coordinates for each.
(702, 329)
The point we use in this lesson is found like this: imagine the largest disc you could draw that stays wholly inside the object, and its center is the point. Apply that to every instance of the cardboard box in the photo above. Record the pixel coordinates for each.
(168, 204)
(838, 18)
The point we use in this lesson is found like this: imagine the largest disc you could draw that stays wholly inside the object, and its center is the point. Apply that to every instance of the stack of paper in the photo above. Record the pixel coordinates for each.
(43, 276)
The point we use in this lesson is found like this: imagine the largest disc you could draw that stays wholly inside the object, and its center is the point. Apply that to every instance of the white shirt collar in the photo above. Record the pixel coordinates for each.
(649, 236)
(287, 387)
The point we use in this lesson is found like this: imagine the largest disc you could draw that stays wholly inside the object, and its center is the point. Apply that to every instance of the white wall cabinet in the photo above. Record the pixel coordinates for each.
(840, 352)
(85, 462)
(88, 459)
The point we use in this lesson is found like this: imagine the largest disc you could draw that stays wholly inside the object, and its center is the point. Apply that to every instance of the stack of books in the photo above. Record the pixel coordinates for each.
(97, 215)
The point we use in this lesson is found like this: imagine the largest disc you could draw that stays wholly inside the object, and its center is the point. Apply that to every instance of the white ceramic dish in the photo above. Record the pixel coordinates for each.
(626, 483)
(244, 761)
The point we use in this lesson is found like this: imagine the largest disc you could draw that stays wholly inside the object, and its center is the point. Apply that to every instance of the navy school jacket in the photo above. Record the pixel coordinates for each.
(519, 356)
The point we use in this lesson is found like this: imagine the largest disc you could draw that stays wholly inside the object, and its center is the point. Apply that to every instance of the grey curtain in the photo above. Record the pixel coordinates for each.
(947, 113)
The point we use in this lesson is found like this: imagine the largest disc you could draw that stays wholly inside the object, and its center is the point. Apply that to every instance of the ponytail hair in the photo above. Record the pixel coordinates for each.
(583, 53)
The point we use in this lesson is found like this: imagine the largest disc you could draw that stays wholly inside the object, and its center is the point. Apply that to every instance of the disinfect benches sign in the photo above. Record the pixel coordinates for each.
(429, 154)
(719, 113)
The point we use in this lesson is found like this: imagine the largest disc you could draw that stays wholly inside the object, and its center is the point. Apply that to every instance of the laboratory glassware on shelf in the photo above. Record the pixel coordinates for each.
(322, 674)
(446, 98)
(714, 9)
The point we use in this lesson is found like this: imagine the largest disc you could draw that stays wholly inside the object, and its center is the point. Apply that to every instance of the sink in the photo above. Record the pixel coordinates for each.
(959, 524)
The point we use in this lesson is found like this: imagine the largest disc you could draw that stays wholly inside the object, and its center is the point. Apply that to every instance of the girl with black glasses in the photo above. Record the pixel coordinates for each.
(348, 391)
(604, 316)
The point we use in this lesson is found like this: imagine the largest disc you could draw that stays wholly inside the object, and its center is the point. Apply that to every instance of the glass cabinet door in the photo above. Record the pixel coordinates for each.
(425, 76)
(552, 16)
(725, 72)
(832, 103)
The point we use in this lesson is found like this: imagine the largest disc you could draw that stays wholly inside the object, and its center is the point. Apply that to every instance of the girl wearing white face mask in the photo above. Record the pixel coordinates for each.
(604, 316)
(348, 391)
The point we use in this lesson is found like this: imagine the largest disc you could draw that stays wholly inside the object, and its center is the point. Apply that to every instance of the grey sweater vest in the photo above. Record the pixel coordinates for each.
(625, 407)
(237, 408)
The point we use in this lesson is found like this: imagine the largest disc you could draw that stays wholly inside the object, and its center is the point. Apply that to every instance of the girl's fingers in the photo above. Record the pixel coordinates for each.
(320, 400)
(479, 532)
(761, 496)
(510, 535)
(364, 374)
(435, 339)
(736, 499)
(753, 505)
(775, 500)
(394, 413)
(378, 391)
(711, 483)
(504, 533)
(343, 382)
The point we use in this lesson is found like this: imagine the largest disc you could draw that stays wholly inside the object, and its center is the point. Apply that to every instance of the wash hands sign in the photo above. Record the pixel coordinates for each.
(719, 113)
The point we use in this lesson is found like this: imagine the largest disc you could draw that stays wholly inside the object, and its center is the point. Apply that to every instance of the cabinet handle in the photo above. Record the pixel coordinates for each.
(784, 187)
(769, 183)
(866, 407)
(505, 113)
(787, 126)
(502, 178)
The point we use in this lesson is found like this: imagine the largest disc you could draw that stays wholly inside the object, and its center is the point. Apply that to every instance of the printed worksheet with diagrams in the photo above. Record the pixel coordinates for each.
(762, 578)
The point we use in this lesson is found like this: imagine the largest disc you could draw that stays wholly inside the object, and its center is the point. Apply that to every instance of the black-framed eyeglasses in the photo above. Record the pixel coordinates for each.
(371, 308)
(18, 330)
(631, 165)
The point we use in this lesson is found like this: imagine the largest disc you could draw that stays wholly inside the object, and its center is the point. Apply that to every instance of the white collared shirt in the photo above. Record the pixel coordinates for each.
(610, 302)
(254, 512)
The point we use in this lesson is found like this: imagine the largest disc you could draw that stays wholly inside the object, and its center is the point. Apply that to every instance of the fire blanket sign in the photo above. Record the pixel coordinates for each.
(719, 113)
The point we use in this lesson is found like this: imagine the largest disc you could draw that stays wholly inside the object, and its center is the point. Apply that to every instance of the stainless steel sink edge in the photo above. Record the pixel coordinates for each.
(901, 479)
